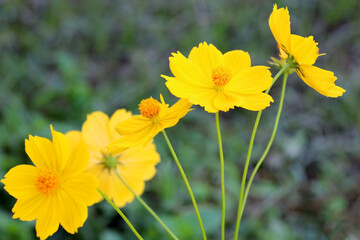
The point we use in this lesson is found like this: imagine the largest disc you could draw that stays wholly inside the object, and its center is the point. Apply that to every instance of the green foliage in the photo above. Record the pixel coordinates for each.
(62, 59)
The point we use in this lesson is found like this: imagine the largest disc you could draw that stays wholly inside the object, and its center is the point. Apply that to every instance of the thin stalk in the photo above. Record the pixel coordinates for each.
(147, 207)
(121, 214)
(222, 176)
(247, 162)
(186, 183)
(269, 144)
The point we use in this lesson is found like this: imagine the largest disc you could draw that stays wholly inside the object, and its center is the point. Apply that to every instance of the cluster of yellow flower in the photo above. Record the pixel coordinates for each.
(69, 169)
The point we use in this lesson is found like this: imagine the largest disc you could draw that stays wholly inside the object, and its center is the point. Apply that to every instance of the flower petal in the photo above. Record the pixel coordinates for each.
(304, 49)
(140, 162)
(28, 209)
(175, 112)
(41, 151)
(207, 58)
(253, 102)
(237, 60)
(78, 160)
(187, 72)
(279, 22)
(321, 80)
(95, 130)
(181, 89)
(82, 188)
(48, 222)
(134, 140)
(205, 99)
(117, 117)
(251, 80)
(62, 149)
(20, 182)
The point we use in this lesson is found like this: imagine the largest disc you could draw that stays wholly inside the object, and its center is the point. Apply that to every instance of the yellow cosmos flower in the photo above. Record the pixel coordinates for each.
(56, 190)
(219, 82)
(155, 117)
(135, 165)
(301, 53)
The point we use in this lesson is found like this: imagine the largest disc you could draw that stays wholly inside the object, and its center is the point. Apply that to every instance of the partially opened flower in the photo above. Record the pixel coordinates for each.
(136, 165)
(56, 190)
(219, 82)
(301, 53)
(155, 117)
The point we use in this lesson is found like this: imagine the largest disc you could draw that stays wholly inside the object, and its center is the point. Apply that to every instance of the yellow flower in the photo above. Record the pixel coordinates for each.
(155, 117)
(56, 190)
(301, 53)
(136, 165)
(219, 82)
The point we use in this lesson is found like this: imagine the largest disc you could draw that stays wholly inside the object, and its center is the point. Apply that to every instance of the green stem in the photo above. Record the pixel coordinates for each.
(247, 162)
(147, 207)
(121, 214)
(222, 176)
(186, 183)
(269, 144)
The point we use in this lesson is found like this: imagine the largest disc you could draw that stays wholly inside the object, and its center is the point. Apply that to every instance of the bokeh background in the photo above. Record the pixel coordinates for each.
(62, 59)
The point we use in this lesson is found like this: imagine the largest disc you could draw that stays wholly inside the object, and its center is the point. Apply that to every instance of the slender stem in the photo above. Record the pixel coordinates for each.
(247, 162)
(121, 214)
(222, 176)
(186, 183)
(147, 207)
(269, 144)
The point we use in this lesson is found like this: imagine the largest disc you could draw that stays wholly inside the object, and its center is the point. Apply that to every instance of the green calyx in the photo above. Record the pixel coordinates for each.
(110, 161)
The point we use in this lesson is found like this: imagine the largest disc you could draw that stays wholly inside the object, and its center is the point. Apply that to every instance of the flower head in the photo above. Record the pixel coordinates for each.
(136, 165)
(301, 53)
(155, 117)
(56, 190)
(219, 82)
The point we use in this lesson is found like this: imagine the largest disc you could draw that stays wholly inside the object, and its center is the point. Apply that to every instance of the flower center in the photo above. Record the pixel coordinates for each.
(221, 76)
(47, 182)
(110, 160)
(149, 107)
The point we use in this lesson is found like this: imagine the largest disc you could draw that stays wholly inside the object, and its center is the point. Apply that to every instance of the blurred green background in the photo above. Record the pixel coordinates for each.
(62, 59)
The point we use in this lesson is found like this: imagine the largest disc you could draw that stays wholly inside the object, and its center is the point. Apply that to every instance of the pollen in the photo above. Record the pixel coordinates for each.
(149, 107)
(221, 76)
(47, 182)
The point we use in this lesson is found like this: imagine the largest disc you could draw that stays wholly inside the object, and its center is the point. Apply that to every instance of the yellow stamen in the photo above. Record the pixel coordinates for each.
(149, 107)
(47, 182)
(221, 76)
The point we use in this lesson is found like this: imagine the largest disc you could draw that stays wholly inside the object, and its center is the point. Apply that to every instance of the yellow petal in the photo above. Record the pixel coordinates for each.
(253, 102)
(206, 100)
(118, 116)
(82, 188)
(140, 162)
(72, 210)
(20, 182)
(175, 112)
(321, 80)
(62, 149)
(207, 58)
(95, 130)
(134, 140)
(188, 72)
(304, 50)
(133, 125)
(237, 60)
(78, 160)
(41, 151)
(251, 80)
(74, 138)
(181, 89)
(279, 23)
(28, 209)
(48, 221)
